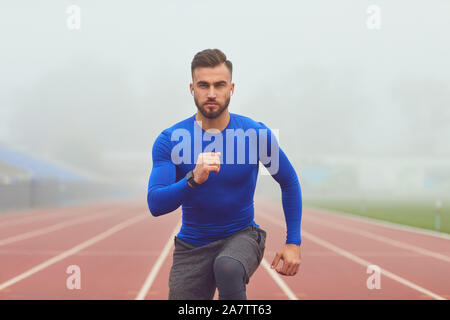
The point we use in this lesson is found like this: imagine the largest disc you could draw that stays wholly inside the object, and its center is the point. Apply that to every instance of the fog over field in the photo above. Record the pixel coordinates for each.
(359, 90)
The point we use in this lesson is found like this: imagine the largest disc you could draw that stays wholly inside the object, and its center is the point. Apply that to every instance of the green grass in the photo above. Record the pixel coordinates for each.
(421, 214)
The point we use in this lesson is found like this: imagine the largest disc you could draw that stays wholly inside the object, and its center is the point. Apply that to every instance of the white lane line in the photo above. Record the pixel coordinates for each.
(73, 250)
(15, 218)
(27, 213)
(36, 217)
(367, 263)
(55, 227)
(146, 253)
(386, 224)
(383, 239)
(280, 282)
(157, 266)
(358, 260)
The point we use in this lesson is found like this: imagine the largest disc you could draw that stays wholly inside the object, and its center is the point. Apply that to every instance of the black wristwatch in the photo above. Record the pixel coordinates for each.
(190, 179)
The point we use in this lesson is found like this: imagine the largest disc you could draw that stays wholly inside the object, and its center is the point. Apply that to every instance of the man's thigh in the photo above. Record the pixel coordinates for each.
(192, 275)
(246, 246)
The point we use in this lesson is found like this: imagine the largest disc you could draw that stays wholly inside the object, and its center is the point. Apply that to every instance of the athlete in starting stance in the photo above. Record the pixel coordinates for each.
(208, 164)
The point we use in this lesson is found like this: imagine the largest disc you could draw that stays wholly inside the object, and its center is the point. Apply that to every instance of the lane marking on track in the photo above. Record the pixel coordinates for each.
(382, 223)
(157, 266)
(383, 239)
(359, 260)
(15, 218)
(280, 282)
(39, 216)
(73, 250)
(144, 253)
(12, 215)
(55, 227)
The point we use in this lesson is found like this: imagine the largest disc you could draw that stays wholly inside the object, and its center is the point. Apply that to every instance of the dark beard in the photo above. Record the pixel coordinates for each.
(209, 114)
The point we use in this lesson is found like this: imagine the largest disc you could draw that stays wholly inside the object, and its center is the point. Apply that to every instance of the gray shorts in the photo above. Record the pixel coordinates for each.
(192, 275)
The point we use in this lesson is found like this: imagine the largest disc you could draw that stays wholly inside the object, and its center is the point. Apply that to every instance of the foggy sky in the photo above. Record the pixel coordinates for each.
(311, 69)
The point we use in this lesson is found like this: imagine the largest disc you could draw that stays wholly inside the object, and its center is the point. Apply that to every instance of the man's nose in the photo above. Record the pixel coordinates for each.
(211, 92)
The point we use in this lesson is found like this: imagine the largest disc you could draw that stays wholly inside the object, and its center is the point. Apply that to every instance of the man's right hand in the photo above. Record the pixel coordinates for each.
(206, 162)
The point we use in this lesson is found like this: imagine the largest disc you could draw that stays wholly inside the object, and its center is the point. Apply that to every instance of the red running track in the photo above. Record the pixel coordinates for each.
(123, 252)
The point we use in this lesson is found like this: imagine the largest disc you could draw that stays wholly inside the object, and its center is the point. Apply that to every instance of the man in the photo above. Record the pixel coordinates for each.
(219, 243)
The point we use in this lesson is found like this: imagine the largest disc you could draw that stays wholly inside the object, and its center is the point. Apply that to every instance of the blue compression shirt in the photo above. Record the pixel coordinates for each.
(223, 204)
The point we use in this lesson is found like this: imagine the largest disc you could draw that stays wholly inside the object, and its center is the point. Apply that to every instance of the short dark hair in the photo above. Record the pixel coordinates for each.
(210, 58)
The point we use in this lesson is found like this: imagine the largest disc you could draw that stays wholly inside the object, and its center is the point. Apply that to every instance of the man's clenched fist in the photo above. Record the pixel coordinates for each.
(206, 162)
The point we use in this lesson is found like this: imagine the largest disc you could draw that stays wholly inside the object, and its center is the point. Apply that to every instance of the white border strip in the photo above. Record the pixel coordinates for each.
(157, 266)
(383, 239)
(383, 223)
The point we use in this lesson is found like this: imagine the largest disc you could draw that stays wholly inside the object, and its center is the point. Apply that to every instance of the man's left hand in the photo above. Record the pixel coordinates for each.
(291, 257)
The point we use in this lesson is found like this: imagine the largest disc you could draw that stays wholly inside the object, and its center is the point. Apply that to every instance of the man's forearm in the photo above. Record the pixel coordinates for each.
(291, 198)
(292, 207)
(165, 199)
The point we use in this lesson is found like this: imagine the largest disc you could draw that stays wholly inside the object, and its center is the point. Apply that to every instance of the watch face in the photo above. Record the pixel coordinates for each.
(190, 178)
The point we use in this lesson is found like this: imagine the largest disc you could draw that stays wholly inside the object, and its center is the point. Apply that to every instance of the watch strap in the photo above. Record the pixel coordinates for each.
(190, 179)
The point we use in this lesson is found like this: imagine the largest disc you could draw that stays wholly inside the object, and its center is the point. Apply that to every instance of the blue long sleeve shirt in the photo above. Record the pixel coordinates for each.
(223, 204)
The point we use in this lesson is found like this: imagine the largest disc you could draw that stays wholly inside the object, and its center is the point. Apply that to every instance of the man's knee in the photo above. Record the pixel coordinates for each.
(230, 278)
(227, 269)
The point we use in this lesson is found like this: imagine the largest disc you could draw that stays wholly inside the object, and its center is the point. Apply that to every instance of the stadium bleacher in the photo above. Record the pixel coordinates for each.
(27, 181)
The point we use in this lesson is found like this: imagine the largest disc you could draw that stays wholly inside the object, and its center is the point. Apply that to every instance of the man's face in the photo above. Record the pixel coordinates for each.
(212, 90)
